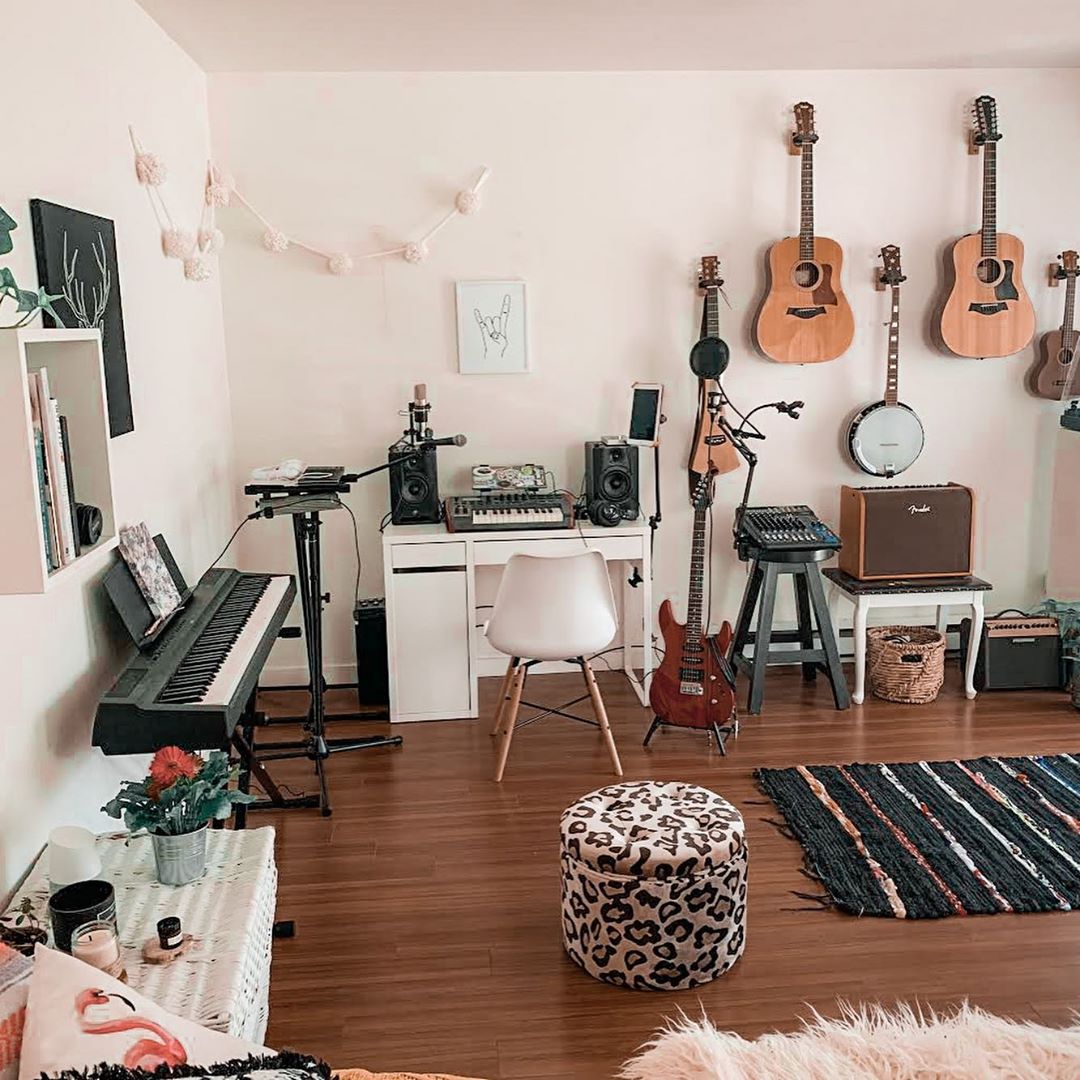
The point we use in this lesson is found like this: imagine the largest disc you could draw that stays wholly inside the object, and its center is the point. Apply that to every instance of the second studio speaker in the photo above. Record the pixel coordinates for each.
(611, 483)
(414, 488)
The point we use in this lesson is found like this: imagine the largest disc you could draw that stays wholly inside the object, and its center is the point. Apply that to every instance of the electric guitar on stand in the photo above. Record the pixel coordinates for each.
(887, 437)
(694, 686)
(708, 360)
(805, 317)
(1054, 373)
(988, 312)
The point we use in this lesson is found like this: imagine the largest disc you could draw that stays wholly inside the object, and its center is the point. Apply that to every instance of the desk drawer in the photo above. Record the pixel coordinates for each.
(498, 552)
(408, 556)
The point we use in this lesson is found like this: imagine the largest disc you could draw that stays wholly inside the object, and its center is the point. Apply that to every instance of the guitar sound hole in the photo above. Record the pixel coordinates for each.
(1064, 357)
(807, 275)
(989, 271)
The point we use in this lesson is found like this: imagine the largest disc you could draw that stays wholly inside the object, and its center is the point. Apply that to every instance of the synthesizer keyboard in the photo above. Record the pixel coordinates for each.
(784, 529)
(193, 685)
(508, 510)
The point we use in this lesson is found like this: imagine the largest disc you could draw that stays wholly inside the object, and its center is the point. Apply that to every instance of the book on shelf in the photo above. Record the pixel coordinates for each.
(60, 492)
(65, 447)
(45, 489)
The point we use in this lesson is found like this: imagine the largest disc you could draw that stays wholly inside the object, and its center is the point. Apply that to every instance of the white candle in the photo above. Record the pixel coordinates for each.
(98, 948)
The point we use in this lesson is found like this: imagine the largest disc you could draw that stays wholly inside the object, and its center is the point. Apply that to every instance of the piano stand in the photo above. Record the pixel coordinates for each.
(316, 747)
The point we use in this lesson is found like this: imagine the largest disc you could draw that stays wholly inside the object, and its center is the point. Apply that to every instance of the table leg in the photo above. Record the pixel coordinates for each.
(942, 618)
(859, 640)
(973, 644)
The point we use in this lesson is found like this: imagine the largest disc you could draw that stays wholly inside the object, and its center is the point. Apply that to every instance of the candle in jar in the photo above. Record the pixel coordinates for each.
(97, 947)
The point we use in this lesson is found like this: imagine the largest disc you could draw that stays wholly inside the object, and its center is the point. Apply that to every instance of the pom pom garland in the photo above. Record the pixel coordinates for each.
(275, 240)
(219, 190)
(197, 269)
(150, 169)
(340, 263)
(467, 201)
(176, 243)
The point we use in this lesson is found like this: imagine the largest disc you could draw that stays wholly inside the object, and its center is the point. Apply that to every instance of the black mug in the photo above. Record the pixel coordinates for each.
(82, 902)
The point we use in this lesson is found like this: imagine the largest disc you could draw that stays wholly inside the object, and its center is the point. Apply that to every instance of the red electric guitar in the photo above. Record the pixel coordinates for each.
(694, 687)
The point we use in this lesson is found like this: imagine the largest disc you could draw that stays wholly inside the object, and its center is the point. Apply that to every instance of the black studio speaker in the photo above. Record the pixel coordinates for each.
(414, 488)
(611, 483)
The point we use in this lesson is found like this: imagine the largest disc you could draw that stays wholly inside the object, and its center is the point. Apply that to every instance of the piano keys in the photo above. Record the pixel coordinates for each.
(192, 686)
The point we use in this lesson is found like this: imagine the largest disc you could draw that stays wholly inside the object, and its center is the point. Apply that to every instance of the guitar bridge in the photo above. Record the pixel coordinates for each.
(692, 688)
(988, 309)
(806, 312)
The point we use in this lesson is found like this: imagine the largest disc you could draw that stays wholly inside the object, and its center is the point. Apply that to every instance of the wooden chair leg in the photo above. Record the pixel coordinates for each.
(504, 693)
(601, 715)
(509, 720)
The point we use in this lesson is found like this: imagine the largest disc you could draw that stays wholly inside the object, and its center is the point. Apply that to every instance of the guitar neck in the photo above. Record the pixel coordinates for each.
(806, 216)
(1070, 308)
(989, 200)
(710, 317)
(696, 592)
(892, 376)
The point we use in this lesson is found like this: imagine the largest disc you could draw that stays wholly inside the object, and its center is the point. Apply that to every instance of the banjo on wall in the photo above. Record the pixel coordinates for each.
(887, 437)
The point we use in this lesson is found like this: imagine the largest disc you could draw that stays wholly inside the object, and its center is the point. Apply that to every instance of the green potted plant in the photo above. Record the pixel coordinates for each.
(175, 803)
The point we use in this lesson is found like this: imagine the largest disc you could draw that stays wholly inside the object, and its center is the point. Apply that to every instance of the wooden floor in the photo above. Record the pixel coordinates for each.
(428, 905)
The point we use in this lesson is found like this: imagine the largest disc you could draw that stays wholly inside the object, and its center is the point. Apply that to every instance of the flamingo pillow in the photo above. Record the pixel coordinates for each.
(78, 1018)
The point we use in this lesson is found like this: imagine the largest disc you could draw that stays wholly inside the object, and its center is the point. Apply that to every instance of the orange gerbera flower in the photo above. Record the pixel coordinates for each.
(170, 764)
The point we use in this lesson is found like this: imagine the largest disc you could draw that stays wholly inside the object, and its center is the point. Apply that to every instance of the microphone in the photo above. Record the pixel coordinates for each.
(448, 440)
(792, 408)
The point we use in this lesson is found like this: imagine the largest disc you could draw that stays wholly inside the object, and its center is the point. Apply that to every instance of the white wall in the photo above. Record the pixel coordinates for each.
(80, 75)
(604, 191)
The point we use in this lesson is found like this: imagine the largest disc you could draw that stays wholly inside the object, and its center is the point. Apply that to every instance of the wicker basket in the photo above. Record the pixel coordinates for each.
(905, 663)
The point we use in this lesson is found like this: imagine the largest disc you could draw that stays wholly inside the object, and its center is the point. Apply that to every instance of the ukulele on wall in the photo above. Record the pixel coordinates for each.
(887, 437)
(805, 317)
(708, 359)
(988, 311)
(694, 686)
(1053, 375)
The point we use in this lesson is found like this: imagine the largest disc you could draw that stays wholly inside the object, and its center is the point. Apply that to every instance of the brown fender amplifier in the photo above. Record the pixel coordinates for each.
(912, 531)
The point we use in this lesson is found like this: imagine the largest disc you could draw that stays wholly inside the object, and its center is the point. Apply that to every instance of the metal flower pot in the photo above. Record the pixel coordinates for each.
(180, 859)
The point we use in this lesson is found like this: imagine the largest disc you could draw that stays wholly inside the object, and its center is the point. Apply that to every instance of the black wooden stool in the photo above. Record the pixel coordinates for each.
(765, 570)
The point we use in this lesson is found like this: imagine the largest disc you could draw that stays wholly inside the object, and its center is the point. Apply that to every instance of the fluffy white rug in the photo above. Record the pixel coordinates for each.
(871, 1042)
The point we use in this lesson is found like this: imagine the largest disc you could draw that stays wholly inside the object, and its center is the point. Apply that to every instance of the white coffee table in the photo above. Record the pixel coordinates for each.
(222, 983)
(942, 594)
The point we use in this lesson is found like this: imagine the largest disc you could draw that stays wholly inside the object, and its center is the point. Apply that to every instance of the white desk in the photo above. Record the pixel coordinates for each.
(436, 650)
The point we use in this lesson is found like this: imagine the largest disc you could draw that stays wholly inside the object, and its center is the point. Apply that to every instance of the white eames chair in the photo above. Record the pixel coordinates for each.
(551, 609)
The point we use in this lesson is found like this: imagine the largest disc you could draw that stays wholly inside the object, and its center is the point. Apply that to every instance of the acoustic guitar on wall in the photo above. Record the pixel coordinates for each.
(805, 317)
(709, 450)
(1054, 373)
(988, 312)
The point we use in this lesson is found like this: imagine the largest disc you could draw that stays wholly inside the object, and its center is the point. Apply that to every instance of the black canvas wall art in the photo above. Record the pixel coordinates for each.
(76, 258)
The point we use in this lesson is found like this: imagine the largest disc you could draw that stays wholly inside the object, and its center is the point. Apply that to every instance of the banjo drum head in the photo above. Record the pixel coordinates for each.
(884, 440)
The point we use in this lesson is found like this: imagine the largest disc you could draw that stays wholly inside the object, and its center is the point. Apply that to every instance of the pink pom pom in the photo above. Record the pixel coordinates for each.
(217, 193)
(211, 240)
(275, 240)
(176, 243)
(415, 252)
(467, 202)
(150, 169)
(197, 269)
(340, 264)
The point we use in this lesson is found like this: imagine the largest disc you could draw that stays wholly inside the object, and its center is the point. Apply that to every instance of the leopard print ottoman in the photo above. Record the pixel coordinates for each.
(653, 884)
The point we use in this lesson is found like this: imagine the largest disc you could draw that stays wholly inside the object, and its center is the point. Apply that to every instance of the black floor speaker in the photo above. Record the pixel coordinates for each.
(372, 680)
(611, 483)
(414, 488)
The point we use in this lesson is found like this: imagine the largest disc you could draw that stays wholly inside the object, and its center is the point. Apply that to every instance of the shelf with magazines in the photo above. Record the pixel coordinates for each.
(54, 442)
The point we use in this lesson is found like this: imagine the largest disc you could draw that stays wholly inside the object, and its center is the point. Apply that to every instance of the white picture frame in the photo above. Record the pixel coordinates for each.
(492, 327)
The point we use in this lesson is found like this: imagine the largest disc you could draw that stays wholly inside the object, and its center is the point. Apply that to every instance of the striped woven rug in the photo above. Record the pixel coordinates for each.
(926, 839)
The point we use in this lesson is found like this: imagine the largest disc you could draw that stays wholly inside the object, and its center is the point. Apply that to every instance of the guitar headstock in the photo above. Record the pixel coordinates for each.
(985, 113)
(891, 273)
(1070, 263)
(804, 133)
(709, 273)
(701, 496)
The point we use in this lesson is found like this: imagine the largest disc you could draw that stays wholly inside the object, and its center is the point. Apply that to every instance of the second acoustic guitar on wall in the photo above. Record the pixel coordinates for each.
(988, 312)
(805, 317)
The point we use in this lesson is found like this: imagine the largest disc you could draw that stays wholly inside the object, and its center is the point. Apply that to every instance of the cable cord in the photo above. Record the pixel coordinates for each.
(236, 532)
(356, 546)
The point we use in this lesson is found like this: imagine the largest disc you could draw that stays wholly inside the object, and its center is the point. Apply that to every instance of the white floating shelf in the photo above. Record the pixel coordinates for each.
(77, 381)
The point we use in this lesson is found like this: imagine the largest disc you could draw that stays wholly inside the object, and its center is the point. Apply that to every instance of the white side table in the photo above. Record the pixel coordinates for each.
(912, 592)
(224, 982)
